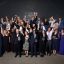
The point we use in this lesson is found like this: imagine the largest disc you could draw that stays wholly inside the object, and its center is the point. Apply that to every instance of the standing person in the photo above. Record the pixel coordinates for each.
(33, 42)
(61, 50)
(46, 24)
(1, 43)
(17, 43)
(6, 41)
(12, 38)
(26, 44)
(61, 23)
(52, 21)
(55, 38)
(42, 42)
(49, 40)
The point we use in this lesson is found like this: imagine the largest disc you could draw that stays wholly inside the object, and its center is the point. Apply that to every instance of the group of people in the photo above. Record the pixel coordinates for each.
(34, 36)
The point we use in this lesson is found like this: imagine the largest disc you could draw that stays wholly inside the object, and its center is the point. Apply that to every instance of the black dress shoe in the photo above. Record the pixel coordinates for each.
(31, 55)
(35, 55)
(49, 54)
(1, 55)
(19, 55)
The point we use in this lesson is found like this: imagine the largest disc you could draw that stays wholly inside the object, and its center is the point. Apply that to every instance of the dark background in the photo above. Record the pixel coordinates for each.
(45, 8)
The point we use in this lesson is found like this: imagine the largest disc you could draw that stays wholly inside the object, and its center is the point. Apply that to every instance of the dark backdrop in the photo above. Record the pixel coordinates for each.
(45, 8)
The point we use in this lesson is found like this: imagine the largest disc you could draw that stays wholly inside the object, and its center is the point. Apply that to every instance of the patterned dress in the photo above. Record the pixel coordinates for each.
(26, 44)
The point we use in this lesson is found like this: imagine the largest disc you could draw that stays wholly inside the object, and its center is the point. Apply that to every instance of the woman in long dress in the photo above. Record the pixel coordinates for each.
(62, 42)
(6, 41)
(26, 44)
(55, 39)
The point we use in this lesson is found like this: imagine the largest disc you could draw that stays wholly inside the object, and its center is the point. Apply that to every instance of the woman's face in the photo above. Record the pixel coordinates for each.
(45, 20)
(25, 33)
(49, 29)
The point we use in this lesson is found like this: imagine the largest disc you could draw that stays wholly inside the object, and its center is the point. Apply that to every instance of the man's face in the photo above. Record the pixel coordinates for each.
(32, 18)
(17, 31)
(60, 19)
(1, 19)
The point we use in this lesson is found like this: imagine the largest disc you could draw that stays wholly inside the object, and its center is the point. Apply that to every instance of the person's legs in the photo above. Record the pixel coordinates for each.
(16, 50)
(32, 52)
(49, 47)
(40, 48)
(12, 47)
(19, 50)
(0, 52)
(35, 50)
(54, 46)
(26, 52)
(43, 48)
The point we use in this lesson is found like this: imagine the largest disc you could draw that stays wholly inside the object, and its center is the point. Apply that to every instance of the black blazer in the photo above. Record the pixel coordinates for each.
(16, 41)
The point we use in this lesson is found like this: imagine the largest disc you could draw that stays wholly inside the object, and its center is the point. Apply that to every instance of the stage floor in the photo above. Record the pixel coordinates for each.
(8, 58)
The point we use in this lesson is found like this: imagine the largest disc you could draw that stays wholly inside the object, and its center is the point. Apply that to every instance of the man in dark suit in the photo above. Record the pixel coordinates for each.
(33, 21)
(33, 42)
(18, 43)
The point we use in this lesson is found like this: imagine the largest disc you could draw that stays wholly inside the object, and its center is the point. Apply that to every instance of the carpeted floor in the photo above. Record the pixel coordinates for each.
(8, 58)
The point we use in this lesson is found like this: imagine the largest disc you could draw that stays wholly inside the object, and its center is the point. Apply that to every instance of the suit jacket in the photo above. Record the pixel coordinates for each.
(19, 39)
(31, 37)
(61, 25)
(32, 40)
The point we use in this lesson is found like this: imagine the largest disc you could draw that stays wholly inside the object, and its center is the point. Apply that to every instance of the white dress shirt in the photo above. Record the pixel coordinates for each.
(49, 34)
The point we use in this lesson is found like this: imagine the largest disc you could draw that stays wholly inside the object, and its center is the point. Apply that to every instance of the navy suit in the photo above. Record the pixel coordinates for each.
(61, 26)
(33, 44)
(33, 22)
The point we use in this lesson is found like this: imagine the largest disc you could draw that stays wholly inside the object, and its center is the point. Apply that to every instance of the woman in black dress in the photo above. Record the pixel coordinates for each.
(55, 39)
(6, 41)
(12, 36)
